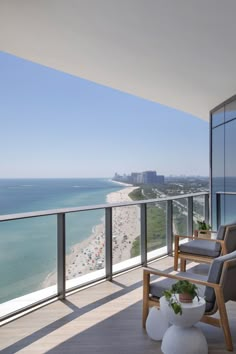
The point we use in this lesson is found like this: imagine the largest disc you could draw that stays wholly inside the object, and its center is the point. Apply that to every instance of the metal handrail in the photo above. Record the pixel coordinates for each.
(27, 215)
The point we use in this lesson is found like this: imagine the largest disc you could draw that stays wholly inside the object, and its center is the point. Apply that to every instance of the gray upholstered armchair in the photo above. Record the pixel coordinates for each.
(203, 250)
(216, 288)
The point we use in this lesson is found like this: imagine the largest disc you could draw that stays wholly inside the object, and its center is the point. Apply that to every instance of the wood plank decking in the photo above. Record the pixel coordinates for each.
(105, 318)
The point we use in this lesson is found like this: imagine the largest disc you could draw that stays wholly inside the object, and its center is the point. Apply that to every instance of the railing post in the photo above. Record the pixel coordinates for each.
(61, 256)
(190, 216)
(143, 226)
(218, 210)
(108, 243)
(206, 208)
(169, 227)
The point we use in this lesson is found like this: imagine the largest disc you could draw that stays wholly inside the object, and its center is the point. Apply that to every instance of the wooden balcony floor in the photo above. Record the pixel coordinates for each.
(105, 318)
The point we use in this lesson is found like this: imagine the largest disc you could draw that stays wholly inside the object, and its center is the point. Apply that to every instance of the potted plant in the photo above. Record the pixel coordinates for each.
(203, 229)
(187, 292)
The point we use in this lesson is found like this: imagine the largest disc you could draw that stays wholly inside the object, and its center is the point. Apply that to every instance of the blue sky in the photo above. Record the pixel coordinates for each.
(57, 125)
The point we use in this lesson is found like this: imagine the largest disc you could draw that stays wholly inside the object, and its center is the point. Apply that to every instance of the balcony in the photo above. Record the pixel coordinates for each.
(93, 314)
(104, 318)
(120, 220)
(137, 55)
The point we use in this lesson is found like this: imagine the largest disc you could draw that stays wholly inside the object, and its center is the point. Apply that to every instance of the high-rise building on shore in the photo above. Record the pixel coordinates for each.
(146, 177)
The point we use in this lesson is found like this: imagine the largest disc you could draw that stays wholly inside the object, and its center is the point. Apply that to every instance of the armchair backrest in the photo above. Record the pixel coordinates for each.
(220, 236)
(221, 232)
(228, 234)
(222, 271)
(230, 238)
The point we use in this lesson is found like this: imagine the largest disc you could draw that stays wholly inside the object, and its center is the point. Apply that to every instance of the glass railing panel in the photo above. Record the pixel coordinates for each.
(198, 210)
(125, 237)
(156, 228)
(28, 257)
(229, 208)
(180, 216)
(85, 247)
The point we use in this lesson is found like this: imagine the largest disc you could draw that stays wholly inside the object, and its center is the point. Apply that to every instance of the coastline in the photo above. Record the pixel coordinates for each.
(122, 183)
(89, 255)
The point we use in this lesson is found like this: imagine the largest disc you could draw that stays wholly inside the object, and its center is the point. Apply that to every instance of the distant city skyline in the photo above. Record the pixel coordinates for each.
(144, 177)
(56, 125)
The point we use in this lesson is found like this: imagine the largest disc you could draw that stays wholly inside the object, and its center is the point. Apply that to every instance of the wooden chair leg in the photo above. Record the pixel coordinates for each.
(146, 280)
(176, 261)
(176, 254)
(183, 265)
(224, 319)
(145, 313)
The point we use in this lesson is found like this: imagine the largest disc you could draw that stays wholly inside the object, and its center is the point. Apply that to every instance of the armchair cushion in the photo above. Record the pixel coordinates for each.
(157, 287)
(204, 247)
(201, 247)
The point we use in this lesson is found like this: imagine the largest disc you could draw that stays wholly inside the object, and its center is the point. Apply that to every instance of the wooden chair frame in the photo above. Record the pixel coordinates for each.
(221, 322)
(193, 257)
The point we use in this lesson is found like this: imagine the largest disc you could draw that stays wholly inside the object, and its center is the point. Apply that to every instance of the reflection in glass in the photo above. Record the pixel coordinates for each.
(218, 117)
(28, 255)
(156, 226)
(126, 233)
(217, 170)
(230, 170)
(198, 210)
(180, 213)
(230, 111)
(223, 162)
(230, 148)
(230, 209)
(85, 246)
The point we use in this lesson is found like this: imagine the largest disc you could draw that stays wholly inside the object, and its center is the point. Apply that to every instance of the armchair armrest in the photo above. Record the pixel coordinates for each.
(147, 271)
(198, 238)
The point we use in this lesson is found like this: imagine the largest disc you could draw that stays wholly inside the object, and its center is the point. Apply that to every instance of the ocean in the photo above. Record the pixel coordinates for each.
(28, 247)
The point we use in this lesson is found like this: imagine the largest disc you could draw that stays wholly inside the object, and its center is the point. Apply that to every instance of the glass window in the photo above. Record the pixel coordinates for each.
(217, 169)
(230, 170)
(230, 110)
(230, 149)
(230, 209)
(218, 117)
(223, 162)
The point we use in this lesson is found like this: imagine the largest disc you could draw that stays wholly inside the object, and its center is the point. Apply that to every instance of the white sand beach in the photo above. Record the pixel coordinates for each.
(89, 255)
(126, 224)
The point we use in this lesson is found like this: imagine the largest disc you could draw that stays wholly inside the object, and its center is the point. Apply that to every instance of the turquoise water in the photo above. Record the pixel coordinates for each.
(28, 247)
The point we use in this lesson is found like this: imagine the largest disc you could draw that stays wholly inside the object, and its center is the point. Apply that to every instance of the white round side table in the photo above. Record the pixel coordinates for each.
(182, 337)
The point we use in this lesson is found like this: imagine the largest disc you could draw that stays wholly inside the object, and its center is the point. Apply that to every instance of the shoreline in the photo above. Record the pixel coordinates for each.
(122, 183)
(89, 254)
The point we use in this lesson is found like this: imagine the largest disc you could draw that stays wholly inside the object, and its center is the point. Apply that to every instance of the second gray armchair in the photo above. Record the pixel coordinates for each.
(203, 250)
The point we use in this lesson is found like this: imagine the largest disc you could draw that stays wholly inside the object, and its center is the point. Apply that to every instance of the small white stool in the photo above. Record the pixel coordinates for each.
(156, 324)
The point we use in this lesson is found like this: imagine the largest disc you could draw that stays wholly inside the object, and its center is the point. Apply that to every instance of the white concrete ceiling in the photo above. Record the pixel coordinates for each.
(180, 53)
